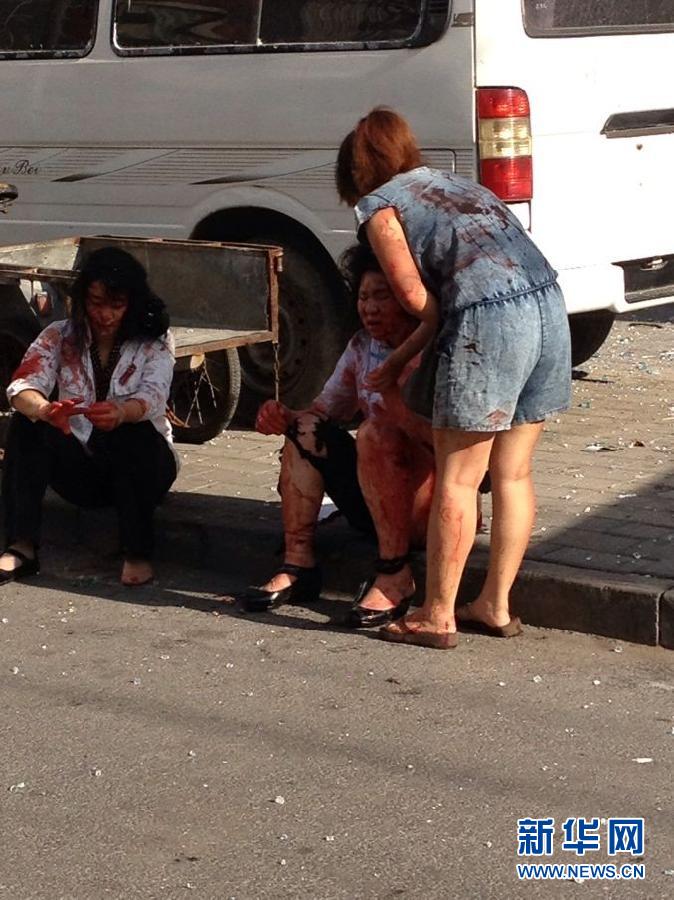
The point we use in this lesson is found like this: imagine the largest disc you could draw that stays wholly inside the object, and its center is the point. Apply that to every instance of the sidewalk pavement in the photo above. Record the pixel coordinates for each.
(601, 559)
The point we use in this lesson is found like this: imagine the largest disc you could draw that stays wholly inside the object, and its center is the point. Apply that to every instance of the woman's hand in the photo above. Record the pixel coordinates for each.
(60, 412)
(392, 396)
(273, 418)
(391, 406)
(106, 415)
(385, 376)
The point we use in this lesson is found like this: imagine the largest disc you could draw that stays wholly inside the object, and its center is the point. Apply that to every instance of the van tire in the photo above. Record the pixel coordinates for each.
(314, 326)
(588, 332)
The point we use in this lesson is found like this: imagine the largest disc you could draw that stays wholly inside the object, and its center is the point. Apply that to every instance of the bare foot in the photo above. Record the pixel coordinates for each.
(389, 590)
(482, 611)
(9, 562)
(136, 572)
(420, 621)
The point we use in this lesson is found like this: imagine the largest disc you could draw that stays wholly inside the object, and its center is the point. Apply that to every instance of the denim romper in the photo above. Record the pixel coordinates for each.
(503, 346)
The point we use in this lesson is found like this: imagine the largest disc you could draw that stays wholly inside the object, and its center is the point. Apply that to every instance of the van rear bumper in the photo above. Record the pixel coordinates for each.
(603, 287)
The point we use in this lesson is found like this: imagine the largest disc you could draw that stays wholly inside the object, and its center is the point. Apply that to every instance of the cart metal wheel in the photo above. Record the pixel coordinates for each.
(204, 395)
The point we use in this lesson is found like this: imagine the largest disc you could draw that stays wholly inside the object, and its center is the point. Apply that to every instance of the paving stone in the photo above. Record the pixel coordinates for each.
(645, 531)
(584, 559)
(589, 541)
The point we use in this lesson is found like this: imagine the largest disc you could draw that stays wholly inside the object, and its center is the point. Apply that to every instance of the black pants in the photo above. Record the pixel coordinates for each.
(130, 468)
(339, 468)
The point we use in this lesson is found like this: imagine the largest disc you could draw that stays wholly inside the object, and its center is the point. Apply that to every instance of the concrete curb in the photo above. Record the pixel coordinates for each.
(630, 608)
(666, 637)
(239, 543)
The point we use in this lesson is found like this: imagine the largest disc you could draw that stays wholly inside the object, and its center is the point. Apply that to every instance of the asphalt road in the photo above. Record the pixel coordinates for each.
(151, 748)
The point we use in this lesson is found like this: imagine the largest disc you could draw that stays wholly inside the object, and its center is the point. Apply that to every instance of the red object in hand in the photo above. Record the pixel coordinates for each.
(105, 415)
(59, 413)
(272, 418)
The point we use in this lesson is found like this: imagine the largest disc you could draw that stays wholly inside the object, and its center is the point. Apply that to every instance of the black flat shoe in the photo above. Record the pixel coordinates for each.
(305, 589)
(27, 567)
(360, 617)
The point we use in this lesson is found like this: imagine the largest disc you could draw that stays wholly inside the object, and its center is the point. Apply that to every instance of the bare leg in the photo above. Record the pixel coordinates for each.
(461, 461)
(301, 487)
(396, 476)
(514, 510)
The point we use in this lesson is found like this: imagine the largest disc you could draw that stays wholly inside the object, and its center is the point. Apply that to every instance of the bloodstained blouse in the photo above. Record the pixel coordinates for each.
(345, 392)
(144, 372)
(468, 245)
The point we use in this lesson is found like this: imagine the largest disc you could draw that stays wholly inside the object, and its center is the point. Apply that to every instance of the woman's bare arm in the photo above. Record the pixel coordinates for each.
(390, 246)
(30, 404)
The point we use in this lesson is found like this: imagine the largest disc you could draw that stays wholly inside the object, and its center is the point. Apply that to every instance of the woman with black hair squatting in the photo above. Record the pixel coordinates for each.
(105, 440)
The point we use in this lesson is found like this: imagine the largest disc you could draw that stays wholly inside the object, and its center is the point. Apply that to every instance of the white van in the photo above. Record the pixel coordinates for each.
(220, 119)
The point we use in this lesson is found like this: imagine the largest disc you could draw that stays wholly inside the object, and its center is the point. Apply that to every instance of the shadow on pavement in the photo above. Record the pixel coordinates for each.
(228, 542)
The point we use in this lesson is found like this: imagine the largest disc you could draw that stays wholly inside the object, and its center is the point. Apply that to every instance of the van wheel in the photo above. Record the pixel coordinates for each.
(588, 332)
(314, 325)
(204, 395)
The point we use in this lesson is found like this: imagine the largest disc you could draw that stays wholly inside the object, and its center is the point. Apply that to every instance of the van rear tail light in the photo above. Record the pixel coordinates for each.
(504, 142)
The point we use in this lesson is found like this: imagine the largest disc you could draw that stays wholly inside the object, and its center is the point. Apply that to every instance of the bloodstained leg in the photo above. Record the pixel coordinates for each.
(396, 477)
(301, 488)
(461, 461)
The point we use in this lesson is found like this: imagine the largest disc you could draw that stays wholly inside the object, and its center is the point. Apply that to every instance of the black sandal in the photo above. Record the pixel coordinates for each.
(360, 617)
(28, 567)
(305, 589)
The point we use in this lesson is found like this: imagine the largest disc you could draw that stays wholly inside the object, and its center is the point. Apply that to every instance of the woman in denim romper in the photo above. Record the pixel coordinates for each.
(462, 263)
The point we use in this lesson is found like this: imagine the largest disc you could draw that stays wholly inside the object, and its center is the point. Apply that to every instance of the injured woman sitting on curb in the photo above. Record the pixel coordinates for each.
(105, 440)
(382, 481)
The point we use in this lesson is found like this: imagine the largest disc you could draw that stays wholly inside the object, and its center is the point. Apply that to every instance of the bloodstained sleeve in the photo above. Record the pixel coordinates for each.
(38, 369)
(155, 386)
(339, 398)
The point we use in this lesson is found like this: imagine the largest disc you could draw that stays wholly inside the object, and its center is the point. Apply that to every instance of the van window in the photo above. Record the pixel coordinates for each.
(198, 25)
(47, 27)
(555, 18)
(321, 21)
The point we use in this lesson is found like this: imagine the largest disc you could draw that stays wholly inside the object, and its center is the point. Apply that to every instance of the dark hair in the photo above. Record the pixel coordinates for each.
(146, 315)
(381, 146)
(354, 263)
